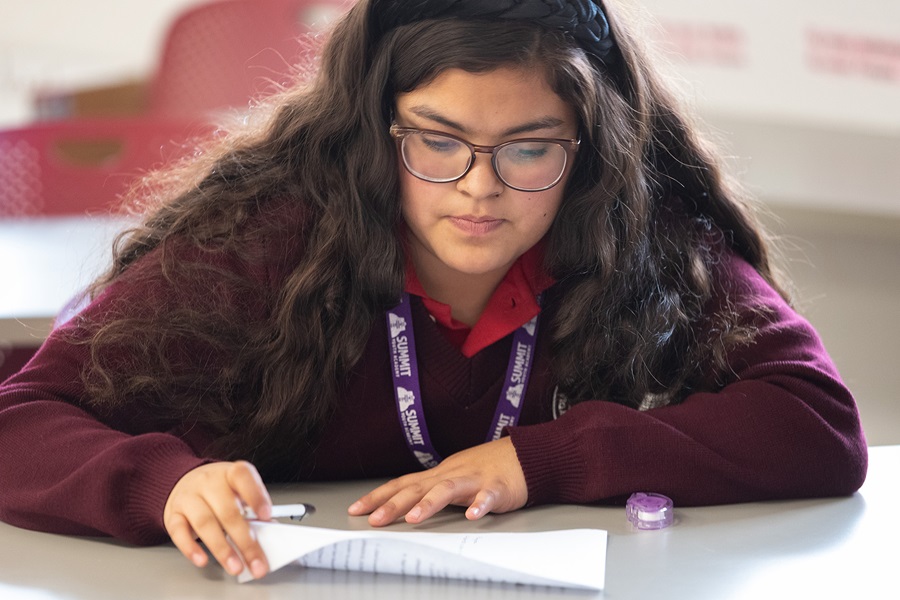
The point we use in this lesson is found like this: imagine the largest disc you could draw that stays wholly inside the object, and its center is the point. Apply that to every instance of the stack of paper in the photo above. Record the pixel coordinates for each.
(573, 558)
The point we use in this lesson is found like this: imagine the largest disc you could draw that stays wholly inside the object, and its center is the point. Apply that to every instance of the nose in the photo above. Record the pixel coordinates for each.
(481, 181)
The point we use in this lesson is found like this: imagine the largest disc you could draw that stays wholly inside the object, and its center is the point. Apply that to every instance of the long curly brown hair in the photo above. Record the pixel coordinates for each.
(299, 212)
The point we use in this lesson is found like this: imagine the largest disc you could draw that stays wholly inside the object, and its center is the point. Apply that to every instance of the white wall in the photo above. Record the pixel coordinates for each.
(65, 44)
(816, 62)
(806, 93)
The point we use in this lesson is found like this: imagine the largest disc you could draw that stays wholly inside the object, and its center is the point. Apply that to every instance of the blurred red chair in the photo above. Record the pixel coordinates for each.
(224, 53)
(216, 56)
(83, 165)
(79, 167)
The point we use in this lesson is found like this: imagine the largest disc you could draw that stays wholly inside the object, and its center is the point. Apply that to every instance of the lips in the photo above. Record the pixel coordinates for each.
(472, 225)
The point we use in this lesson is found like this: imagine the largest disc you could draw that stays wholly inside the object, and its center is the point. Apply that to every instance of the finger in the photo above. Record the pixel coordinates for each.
(443, 494)
(380, 495)
(399, 504)
(389, 512)
(247, 484)
(185, 540)
(484, 502)
(242, 538)
(206, 525)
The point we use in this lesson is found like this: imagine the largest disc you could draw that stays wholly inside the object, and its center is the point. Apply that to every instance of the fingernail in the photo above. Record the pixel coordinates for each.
(258, 568)
(378, 515)
(414, 514)
(475, 511)
(356, 507)
(234, 566)
(199, 559)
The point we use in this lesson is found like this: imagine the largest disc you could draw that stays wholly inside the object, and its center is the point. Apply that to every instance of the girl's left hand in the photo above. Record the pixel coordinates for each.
(485, 478)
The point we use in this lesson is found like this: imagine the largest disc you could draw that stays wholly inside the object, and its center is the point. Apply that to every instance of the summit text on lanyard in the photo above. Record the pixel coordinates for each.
(408, 394)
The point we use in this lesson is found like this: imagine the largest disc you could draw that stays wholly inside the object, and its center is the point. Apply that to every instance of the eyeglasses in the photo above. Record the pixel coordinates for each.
(526, 165)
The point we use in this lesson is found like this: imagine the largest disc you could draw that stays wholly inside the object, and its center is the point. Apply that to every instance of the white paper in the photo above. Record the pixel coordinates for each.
(572, 558)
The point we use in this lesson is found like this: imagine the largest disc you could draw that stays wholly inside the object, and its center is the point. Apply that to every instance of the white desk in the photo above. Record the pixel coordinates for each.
(44, 262)
(822, 549)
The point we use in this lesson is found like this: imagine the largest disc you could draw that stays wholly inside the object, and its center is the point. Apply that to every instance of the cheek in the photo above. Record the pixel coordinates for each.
(549, 206)
(415, 198)
(408, 192)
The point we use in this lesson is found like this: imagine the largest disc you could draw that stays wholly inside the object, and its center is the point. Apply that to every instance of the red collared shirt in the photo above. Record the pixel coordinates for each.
(512, 304)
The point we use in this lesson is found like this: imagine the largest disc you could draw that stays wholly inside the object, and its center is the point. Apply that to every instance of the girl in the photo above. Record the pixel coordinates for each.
(484, 251)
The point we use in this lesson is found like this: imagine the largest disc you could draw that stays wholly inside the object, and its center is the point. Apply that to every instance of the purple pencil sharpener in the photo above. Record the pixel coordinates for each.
(649, 511)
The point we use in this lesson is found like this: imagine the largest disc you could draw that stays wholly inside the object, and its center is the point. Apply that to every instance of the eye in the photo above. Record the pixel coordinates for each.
(527, 151)
(439, 143)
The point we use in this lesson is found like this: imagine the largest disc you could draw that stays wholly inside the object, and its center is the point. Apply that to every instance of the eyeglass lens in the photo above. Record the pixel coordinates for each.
(526, 165)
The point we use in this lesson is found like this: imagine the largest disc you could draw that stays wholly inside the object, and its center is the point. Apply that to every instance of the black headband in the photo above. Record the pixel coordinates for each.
(584, 20)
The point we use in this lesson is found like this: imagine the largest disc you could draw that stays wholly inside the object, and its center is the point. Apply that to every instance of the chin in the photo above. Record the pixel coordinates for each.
(476, 269)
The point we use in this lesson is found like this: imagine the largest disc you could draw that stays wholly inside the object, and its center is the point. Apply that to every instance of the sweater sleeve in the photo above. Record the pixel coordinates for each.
(69, 467)
(786, 426)
(64, 470)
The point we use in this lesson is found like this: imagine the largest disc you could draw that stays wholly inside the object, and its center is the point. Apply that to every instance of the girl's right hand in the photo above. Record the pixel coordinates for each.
(206, 504)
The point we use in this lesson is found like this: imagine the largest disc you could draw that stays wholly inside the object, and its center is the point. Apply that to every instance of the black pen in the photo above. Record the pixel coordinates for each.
(294, 512)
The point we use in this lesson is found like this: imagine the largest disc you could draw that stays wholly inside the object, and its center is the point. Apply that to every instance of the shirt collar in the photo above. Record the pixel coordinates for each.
(513, 303)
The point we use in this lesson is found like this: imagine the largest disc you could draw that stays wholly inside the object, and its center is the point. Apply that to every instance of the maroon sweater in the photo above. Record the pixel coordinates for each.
(786, 426)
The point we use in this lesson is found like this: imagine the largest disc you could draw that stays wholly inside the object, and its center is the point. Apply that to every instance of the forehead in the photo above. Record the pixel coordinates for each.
(487, 102)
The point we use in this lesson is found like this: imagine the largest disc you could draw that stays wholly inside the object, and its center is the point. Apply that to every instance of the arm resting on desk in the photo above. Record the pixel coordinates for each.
(784, 427)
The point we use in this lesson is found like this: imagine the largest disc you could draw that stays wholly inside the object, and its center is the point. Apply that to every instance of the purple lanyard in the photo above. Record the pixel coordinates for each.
(407, 393)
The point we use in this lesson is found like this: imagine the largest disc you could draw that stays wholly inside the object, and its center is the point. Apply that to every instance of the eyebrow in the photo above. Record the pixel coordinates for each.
(546, 122)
